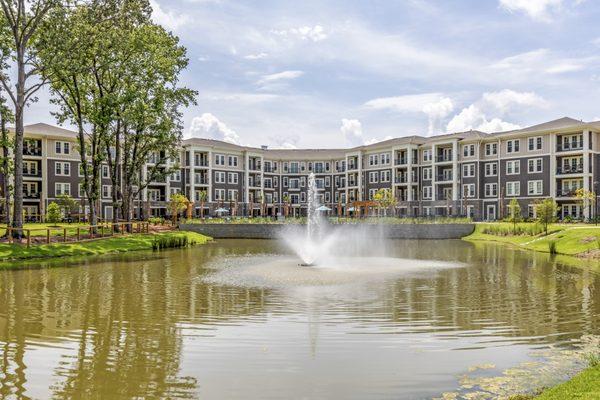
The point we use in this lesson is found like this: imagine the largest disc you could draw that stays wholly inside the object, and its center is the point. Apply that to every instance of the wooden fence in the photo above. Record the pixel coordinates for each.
(79, 233)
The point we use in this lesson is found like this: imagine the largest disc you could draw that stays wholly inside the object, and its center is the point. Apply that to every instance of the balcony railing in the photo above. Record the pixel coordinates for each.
(31, 195)
(352, 167)
(401, 161)
(571, 146)
(32, 151)
(28, 172)
(401, 179)
(444, 178)
(578, 169)
(566, 192)
(319, 170)
(444, 158)
(294, 170)
(200, 181)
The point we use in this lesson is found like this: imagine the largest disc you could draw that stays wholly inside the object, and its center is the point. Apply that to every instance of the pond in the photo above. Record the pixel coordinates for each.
(239, 319)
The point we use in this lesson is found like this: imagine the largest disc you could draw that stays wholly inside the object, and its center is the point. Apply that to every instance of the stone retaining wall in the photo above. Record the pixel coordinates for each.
(388, 231)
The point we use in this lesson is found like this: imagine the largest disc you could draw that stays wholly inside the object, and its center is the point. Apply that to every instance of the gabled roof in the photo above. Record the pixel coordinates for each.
(47, 129)
(561, 123)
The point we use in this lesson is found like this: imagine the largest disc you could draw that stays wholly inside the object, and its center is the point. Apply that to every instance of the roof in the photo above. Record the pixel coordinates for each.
(47, 129)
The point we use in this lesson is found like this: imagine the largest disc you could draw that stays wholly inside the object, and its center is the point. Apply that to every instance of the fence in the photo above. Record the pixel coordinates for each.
(78, 233)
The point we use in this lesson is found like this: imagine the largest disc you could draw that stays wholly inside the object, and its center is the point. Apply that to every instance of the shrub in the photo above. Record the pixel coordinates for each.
(156, 220)
(552, 246)
(53, 213)
(171, 242)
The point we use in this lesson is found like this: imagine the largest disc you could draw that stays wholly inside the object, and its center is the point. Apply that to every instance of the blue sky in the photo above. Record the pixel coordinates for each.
(340, 73)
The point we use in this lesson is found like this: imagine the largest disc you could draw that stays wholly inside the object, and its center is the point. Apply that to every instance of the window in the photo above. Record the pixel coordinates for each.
(327, 181)
(62, 168)
(491, 190)
(105, 171)
(373, 159)
(385, 176)
(232, 161)
(219, 194)
(285, 181)
(219, 177)
(232, 178)
(426, 174)
(294, 183)
(512, 146)
(513, 188)
(535, 188)
(491, 169)
(373, 177)
(232, 194)
(426, 155)
(469, 190)
(303, 197)
(176, 176)
(513, 167)
(491, 149)
(62, 188)
(468, 170)
(106, 189)
(469, 150)
(62, 147)
(385, 158)
(81, 191)
(534, 165)
(219, 159)
(534, 143)
(427, 192)
(372, 193)
(303, 181)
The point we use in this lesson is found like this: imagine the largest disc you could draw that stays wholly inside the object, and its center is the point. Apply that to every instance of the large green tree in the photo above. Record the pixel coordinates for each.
(20, 22)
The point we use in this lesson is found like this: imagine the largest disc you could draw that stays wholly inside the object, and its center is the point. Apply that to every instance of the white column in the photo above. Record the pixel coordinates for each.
(433, 172)
(552, 173)
(455, 177)
(191, 171)
(246, 177)
(409, 162)
(586, 172)
(210, 177)
(360, 176)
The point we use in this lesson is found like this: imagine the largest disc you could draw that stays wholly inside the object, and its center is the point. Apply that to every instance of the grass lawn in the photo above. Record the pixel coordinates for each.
(90, 248)
(570, 239)
(586, 385)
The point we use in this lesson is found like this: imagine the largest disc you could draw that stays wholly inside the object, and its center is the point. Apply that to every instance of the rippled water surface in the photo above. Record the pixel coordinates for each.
(241, 320)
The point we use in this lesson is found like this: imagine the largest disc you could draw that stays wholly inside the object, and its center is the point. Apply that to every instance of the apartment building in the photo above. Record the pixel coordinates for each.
(472, 173)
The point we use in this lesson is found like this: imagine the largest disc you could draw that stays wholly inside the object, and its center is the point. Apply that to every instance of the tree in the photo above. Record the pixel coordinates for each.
(546, 211)
(202, 197)
(53, 213)
(515, 213)
(385, 199)
(286, 205)
(588, 198)
(67, 203)
(21, 21)
(177, 203)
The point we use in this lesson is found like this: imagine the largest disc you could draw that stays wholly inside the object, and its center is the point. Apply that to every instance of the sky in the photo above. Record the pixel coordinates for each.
(339, 73)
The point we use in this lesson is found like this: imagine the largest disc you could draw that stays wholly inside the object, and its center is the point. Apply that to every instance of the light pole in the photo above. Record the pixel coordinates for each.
(596, 185)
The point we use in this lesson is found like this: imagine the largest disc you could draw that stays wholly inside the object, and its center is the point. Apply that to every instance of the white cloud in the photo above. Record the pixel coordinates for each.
(473, 118)
(313, 33)
(279, 76)
(240, 98)
(434, 105)
(541, 10)
(505, 99)
(168, 19)
(257, 56)
(209, 126)
(352, 131)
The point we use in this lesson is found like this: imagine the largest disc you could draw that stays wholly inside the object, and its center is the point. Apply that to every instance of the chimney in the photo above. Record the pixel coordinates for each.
(264, 147)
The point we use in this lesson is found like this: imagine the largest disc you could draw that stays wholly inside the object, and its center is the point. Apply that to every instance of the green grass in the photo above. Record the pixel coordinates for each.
(568, 239)
(586, 385)
(92, 248)
(56, 229)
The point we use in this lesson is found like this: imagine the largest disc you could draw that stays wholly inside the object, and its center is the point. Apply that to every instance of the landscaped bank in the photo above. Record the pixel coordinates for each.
(569, 239)
(118, 244)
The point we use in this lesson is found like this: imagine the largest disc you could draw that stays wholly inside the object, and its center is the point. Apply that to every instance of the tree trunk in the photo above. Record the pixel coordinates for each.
(5, 170)
(17, 222)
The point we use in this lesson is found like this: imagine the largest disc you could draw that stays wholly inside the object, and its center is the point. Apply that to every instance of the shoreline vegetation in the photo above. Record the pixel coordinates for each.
(577, 240)
(109, 245)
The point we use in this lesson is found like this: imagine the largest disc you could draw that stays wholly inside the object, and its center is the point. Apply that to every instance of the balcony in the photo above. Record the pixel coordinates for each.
(400, 161)
(31, 195)
(294, 170)
(319, 171)
(270, 169)
(32, 172)
(444, 178)
(352, 167)
(32, 151)
(401, 179)
(570, 146)
(566, 192)
(566, 170)
(200, 180)
(254, 167)
(444, 158)
(254, 183)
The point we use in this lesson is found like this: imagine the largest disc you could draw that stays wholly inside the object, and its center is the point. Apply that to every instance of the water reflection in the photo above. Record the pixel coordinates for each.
(150, 327)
